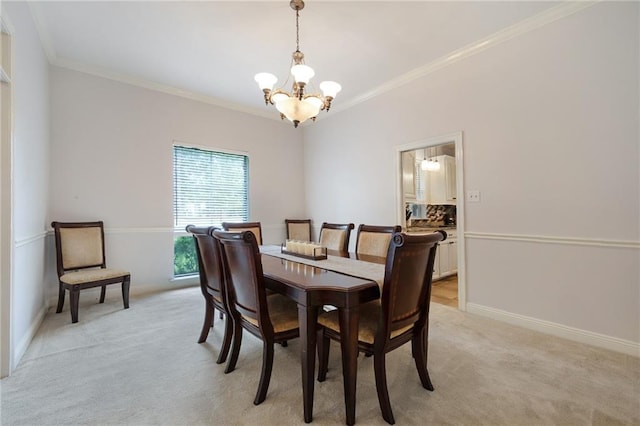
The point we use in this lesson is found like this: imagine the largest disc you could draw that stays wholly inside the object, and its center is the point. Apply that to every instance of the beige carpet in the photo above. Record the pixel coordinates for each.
(142, 366)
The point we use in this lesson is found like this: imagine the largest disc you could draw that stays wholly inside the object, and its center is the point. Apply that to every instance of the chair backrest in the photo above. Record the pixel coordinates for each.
(298, 229)
(254, 227)
(245, 281)
(79, 245)
(374, 240)
(335, 236)
(406, 291)
(209, 260)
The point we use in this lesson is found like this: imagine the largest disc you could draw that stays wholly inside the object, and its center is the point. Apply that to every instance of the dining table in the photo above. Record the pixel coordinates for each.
(344, 281)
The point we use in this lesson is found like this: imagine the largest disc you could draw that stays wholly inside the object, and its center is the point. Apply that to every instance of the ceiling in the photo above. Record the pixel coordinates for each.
(212, 49)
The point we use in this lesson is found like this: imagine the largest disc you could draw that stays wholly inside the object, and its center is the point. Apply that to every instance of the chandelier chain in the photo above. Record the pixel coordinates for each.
(297, 31)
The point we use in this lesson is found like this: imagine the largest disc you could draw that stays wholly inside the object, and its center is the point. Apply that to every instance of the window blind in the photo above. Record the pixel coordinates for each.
(209, 187)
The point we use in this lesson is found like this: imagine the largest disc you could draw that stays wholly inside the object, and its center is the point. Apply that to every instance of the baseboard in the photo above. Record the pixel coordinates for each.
(22, 346)
(577, 335)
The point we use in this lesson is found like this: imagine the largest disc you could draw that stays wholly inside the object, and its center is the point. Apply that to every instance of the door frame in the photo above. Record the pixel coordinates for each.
(455, 138)
(6, 197)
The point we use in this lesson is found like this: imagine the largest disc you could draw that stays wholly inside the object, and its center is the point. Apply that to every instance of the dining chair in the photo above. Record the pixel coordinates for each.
(298, 229)
(212, 285)
(399, 316)
(273, 319)
(254, 227)
(81, 263)
(374, 240)
(335, 236)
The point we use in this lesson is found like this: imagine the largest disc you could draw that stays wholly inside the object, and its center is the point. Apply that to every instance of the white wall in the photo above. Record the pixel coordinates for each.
(551, 138)
(30, 85)
(112, 160)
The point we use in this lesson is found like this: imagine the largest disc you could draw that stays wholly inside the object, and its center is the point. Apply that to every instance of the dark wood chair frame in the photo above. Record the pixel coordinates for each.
(230, 226)
(377, 229)
(397, 313)
(74, 289)
(212, 285)
(348, 227)
(307, 221)
(244, 275)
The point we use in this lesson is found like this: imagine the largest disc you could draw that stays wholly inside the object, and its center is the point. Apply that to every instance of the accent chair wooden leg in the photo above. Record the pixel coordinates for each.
(125, 291)
(74, 298)
(265, 376)
(103, 293)
(381, 386)
(60, 298)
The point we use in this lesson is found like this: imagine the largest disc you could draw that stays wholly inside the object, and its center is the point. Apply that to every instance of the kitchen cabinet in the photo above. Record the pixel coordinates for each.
(446, 261)
(408, 175)
(441, 184)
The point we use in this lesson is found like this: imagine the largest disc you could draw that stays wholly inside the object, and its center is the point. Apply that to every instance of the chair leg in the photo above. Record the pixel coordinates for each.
(381, 386)
(265, 376)
(323, 343)
(125, 291)
(235, 347)
(208, 320)
(419, 345)
(60, 298)
(226, 341)
(74, 298)
(103, 293)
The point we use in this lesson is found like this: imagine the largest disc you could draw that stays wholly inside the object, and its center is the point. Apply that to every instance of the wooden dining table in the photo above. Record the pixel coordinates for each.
(313, 287)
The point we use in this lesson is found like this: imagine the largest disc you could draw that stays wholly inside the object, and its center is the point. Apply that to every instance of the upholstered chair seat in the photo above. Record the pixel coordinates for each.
(283, 313)
(368, 325)
(79, 277)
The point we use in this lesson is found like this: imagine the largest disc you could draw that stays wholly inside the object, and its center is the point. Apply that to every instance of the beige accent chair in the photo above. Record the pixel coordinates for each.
(254, 227)
(400, 316)
(272, 319)
(374, 240)
(298, 229)
(81, 264)
(335, 236)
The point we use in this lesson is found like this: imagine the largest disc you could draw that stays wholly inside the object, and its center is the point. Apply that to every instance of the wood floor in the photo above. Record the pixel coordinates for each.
(445, 291)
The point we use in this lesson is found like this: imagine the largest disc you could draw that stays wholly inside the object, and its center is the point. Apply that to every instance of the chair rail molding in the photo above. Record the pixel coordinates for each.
(547, 239)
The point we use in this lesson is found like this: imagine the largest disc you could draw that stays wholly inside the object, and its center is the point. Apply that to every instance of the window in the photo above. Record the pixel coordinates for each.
(209, 188)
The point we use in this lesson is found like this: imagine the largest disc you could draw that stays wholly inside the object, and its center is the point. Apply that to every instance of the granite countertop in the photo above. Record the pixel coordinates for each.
(423, 229)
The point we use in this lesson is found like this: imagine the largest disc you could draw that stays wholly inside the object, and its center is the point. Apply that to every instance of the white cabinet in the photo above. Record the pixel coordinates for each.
(446, 262)
(408, 175)
(441, 184)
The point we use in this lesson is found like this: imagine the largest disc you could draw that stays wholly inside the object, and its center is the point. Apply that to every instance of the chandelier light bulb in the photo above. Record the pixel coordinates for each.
(330, 88)
(430, 165)
(302, 73)
(266, 80)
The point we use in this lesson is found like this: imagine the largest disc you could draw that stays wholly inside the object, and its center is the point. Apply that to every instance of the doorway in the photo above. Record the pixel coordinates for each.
(430, 196)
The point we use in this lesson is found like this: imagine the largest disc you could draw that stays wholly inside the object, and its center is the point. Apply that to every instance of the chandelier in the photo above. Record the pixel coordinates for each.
(297, 106)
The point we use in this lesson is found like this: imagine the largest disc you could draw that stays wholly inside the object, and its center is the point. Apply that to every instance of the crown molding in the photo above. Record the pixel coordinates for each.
(158, 87)
(43, 31)
(546, 17)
